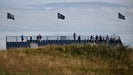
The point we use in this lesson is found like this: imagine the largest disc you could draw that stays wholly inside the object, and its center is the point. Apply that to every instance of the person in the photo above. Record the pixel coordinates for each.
(40, 37)
(100, 37)
(107, 38)
(79, 38)
(22, 38)
(37, 37)
(91, 38)
(30, 38)
(96, 38)
(74, 36)
(114, 37)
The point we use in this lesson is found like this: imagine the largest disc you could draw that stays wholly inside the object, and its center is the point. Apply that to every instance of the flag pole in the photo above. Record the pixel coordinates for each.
(118, 27)
(57, 30)
(120, 16)
(59, 16)
(6, 37)
(9, 16)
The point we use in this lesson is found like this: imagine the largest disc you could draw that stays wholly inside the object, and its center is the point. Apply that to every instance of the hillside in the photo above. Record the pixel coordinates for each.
(67, 60)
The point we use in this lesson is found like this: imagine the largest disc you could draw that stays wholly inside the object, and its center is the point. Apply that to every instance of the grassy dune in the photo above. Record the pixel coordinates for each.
(67, 60)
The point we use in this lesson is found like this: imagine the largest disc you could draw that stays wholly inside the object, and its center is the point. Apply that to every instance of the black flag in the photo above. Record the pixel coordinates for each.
(10, 16)
(120, 16)
(60, 16)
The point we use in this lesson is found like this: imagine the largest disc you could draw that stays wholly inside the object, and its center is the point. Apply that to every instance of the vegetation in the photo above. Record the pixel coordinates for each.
(67, 60)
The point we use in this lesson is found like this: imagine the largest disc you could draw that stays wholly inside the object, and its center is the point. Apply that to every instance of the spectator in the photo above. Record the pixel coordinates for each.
(22, 38)
(74, 36)
(107, 38)
(40, 37)
(96, 38)
(79, 38)
(100, 38)
(30, 38)
(91, 38)
(37, 37)
(114, 37)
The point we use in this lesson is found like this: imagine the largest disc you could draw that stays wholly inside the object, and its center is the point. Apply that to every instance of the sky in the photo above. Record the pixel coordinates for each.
(84, 17)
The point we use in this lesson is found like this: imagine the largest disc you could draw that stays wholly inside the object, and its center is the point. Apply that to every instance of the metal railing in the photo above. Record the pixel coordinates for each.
(92, 38)
(17, 42)
(26, 38)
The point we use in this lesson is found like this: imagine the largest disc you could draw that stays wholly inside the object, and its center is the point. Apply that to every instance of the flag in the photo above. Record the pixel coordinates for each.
(10, 16)
(120, 16)
(60, 16)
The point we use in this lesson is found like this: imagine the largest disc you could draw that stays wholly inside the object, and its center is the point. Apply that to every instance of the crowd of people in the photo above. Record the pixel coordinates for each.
(38, 38)
(91, 38)
(96, 38)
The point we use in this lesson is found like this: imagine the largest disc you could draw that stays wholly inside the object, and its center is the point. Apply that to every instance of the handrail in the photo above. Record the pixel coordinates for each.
(26, 38)
(18, 38)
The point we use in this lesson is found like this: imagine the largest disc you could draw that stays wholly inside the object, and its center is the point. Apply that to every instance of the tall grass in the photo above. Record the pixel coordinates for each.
(67, 60)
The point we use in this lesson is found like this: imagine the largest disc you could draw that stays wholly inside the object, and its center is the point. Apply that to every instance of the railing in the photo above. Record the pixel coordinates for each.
(29, 41)
(91, 38)
(26, 38)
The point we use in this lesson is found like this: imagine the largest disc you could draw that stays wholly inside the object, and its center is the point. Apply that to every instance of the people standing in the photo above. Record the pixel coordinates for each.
(107, 38)
(30, 38)
(79, 38)
(74, 36)
(40, 37)
(96, 38)
(22, 38)
(37, 37)
(91, 38)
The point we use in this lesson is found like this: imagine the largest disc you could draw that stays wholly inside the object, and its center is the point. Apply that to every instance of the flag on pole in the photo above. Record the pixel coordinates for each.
(60, 16)
(10, 16)
(120, 16)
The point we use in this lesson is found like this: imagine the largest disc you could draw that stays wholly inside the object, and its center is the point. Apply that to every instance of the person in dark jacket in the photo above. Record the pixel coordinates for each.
(22, 38)
(79, 38)
(74, 36)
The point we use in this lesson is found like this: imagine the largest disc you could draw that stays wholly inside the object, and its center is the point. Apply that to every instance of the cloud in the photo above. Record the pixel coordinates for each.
(78, 5)
(11, 4)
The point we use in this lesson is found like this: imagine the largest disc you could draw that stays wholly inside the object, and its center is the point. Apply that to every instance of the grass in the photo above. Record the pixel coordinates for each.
(67, 60)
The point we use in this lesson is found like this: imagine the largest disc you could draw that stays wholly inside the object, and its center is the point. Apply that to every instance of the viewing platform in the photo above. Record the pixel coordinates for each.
(35, 41)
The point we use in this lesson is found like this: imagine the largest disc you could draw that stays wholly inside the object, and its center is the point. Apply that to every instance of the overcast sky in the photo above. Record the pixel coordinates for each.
(88, 15)
(85, 16)
(23, 3)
